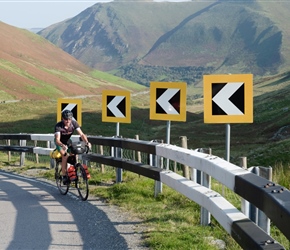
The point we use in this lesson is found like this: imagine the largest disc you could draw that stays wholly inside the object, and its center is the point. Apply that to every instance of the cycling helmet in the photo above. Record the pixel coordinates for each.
(67, 114)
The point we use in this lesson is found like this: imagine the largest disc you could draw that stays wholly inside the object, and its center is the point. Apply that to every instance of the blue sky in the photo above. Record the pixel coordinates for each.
(41, 14)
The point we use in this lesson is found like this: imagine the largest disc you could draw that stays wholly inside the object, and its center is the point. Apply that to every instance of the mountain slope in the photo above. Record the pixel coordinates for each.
(247, 41)
(33, 68)
(218, 36)
(108, 35)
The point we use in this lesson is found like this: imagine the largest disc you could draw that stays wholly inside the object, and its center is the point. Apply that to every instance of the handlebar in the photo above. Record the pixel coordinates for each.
(79, 147)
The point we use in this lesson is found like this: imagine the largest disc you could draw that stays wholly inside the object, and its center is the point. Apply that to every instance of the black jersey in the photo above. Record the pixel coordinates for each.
(65, 134)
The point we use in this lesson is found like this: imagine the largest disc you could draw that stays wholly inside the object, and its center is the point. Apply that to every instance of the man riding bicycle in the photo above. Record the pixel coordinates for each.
(63, 131)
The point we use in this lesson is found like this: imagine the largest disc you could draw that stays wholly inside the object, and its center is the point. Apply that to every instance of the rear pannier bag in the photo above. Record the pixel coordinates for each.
(72, 173)
(87, 171)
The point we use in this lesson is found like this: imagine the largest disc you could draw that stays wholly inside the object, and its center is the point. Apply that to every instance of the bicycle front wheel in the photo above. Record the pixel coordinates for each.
(82, 182)
(63, 189)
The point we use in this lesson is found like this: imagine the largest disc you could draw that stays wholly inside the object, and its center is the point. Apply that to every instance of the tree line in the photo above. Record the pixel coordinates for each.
(144, 74)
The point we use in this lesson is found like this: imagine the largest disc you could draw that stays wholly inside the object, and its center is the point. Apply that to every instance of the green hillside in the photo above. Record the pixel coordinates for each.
(33, 68)
(30, 76)
(265, 142)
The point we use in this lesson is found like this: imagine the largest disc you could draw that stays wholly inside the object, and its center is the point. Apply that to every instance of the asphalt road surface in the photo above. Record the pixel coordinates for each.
(34, 215)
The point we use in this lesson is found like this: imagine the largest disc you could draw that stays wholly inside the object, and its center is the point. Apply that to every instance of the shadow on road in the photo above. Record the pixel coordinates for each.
(37, 216)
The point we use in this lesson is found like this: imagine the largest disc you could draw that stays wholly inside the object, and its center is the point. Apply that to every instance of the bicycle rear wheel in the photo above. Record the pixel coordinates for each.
(82, 182)
(63, 189)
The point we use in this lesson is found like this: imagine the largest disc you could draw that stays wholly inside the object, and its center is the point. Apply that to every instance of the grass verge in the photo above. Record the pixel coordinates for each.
(172, 221)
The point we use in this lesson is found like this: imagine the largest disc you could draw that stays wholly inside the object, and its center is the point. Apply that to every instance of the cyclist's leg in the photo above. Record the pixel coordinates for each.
(64, 164)
(63, 160)
(64, 157)
(63, 188)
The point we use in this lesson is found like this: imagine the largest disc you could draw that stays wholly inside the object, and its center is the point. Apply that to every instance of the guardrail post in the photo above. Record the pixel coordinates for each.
(245, 205)
(9, 152)
(156, 161)
(175, 167)
(138, 152)
(185, 169)
(263, 220)
(36, 155)
(255, 214)
(204, 180)
(102, 153)
(22, 143)
(253, 211)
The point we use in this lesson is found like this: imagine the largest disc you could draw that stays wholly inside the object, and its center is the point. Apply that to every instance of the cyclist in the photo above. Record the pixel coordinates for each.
(63, 131)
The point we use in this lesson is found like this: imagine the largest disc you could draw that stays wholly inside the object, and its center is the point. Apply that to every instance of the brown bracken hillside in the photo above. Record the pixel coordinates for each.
(33, 68)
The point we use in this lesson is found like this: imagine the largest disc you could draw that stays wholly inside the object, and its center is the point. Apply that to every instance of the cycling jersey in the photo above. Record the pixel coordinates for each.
(65, 134)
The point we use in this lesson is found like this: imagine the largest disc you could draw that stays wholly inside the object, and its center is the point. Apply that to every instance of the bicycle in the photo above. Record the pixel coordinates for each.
(81, 179)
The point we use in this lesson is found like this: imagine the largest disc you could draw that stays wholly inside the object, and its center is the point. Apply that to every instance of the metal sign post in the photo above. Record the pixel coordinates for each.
(118, 129)
(156, 161)
(228, 141)
(116, 108)
(168, 103)
(228, 145)
(118, 154)
(228, 99)
(168, 141)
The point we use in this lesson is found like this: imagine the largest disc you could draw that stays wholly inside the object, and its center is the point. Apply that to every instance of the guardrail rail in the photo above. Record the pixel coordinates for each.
(269, 197)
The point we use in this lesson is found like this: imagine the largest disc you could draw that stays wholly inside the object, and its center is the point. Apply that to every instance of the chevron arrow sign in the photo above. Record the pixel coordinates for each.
(74, 105)
(168, 101)
(228, 99)
(116, 106)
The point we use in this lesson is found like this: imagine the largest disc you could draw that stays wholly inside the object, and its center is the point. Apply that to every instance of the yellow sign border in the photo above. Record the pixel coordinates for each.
(153, 99)
(208, 80)
(78, 102)
(127, 94)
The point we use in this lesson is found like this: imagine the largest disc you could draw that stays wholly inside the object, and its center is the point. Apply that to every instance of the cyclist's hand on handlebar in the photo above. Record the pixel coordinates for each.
(64, 147)
(89, 146)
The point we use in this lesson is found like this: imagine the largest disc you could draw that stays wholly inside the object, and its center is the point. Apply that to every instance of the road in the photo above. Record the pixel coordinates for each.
(34, 215)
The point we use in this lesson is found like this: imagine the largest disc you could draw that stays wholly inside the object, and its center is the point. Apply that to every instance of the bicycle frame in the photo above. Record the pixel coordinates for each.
(81, 181)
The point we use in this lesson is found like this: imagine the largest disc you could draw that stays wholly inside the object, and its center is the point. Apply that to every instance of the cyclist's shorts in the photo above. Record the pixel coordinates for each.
(59, 147)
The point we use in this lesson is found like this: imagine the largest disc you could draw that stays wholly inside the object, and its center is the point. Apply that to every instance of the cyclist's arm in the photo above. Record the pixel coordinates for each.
(58, 142)
(82, 135)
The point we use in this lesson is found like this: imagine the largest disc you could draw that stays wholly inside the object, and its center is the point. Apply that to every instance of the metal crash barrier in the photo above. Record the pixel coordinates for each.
(269, 197)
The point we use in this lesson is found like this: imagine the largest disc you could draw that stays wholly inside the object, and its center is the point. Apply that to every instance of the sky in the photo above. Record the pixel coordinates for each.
(41, 14)
(38, 13)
